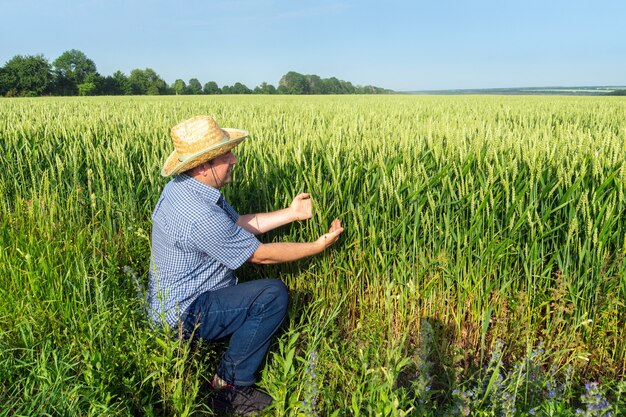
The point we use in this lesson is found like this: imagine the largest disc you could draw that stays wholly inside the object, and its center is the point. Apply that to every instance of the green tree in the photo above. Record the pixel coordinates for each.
(122, 82)
(138, 82)
(91, 86)
(370, 89)
(332, 85)
(71, 68)
(179, 87)
(25, 76)
(194, 86)
(265, 88)
(316, 85)
(114, 85)
(346, 87)
(238, 88)
(146, 82)
(211, 88)
(294, 83)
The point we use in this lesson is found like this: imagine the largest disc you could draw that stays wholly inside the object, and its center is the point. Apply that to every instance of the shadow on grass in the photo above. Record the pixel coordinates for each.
(432, 372)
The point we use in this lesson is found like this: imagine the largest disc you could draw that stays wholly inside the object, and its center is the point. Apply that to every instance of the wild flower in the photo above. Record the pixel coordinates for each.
(130, 272)
(423, 376)
(551, 391)
(507, 404)
(596, 405)
(309, 402)
(534, 378)
(495, 363)
(566, 385)
(493, 382)
(462, 402)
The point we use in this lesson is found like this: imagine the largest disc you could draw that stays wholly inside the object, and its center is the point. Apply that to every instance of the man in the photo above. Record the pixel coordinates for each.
(198, 240)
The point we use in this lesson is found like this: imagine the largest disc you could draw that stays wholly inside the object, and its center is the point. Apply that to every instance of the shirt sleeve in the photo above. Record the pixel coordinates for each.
(220, 238)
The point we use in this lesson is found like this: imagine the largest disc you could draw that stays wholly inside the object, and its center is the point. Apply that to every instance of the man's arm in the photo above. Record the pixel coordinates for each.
(300, 209)
(279, 252)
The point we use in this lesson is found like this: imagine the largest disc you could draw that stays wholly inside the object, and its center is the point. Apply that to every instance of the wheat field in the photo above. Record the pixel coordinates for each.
(481, 271)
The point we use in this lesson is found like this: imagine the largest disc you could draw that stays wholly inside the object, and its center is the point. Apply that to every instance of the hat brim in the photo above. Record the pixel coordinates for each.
(173, 164)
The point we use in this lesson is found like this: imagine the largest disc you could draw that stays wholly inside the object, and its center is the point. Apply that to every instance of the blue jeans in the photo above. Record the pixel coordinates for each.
(250, 313)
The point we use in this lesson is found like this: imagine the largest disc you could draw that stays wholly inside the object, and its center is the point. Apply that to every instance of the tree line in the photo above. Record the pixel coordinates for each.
(74, 74)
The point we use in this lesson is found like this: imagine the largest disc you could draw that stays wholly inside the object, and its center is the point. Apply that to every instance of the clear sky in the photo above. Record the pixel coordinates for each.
(402, 45)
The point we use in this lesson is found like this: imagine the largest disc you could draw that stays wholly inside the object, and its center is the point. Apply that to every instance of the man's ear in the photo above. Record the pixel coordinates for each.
(202, 169)
(206, 167)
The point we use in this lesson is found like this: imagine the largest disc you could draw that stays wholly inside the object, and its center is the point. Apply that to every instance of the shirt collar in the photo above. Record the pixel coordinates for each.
(211, 194)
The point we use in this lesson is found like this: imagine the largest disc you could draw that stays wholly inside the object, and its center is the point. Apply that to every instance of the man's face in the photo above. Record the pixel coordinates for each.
(222, 168)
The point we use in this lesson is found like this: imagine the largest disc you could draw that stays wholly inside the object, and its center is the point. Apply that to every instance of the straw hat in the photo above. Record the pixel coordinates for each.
(198, 140)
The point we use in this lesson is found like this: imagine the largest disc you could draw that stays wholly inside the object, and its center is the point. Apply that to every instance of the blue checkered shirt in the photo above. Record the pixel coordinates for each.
(196, 245)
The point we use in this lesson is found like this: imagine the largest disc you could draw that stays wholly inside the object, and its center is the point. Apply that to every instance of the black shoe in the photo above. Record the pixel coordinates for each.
(245, 401)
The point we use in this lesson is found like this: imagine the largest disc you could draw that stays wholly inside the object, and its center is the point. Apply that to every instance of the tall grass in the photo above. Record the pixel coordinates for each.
(496, 222)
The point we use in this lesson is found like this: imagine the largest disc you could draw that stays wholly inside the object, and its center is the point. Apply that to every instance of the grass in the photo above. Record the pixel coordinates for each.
(481, 269)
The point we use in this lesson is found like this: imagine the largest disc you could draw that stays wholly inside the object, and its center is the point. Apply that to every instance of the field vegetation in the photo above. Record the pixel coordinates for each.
(481, 271)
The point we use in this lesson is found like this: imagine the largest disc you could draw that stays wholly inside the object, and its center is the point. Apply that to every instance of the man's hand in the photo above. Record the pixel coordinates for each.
(301, 207)
(279, 252)
(332, 235)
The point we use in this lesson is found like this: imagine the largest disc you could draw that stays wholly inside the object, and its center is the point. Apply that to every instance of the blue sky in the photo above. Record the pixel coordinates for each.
(401, 45)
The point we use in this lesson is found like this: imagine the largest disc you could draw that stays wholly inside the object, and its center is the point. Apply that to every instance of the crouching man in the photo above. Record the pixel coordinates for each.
(198, 240)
